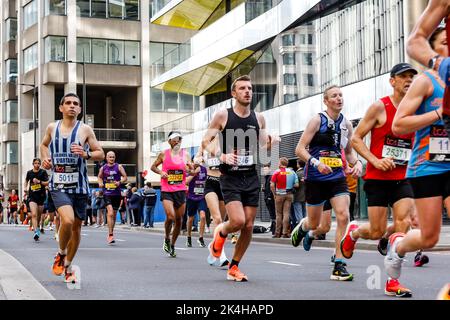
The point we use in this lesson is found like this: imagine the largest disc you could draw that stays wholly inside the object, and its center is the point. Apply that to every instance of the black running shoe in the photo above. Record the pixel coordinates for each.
(340, 273)
(189, 242)
(166, 245)
(298, 234)
(201, 242)
(382, 246)
(172, 252)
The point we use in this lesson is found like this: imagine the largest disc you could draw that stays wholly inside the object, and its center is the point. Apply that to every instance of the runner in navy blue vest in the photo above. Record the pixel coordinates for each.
(110, 177)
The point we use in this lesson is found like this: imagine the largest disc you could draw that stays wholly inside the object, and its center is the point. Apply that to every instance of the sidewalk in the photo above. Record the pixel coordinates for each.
(443, 244)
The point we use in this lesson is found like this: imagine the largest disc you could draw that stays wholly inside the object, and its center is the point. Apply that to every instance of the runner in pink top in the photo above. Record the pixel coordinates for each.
(176, 164)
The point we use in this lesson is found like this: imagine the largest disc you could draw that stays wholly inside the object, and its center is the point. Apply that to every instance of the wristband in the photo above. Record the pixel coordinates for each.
(314, 162)
(439, 116)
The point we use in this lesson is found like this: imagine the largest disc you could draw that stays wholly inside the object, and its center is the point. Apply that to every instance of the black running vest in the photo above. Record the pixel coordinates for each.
(240, 136)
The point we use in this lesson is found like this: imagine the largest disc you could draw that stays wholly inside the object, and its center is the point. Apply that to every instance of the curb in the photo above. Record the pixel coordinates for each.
(268, 239)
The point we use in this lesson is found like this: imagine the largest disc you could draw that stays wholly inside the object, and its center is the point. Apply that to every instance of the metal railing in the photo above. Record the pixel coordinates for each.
(130, 169)
(126, 135)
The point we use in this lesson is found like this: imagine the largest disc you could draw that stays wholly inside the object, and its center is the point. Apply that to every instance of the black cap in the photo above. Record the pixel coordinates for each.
(402, 67)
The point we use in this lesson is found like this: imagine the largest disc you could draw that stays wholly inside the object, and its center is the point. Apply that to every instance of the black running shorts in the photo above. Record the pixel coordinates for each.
(213, 185)
(384, 193)
(38, 198)
(431, 186)
(113, 201)
(178, 198)
(318, 192)
(242, 188)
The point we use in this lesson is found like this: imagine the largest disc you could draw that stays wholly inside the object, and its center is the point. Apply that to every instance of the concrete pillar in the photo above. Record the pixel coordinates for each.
(71, 47)
(143, 93)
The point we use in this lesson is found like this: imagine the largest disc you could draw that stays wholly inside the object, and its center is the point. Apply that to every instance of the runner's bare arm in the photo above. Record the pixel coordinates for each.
(350, 154)
(215, 127)
(97, 153)
(159, 160)
(43, 147)
(370, 120)
(405, 120)
(123, 173)
(310, 130)
(100, 178)
(418, 47)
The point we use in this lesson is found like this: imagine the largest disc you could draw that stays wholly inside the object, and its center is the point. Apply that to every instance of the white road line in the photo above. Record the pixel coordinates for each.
(120, 240)
(18, 283)
(285, 263)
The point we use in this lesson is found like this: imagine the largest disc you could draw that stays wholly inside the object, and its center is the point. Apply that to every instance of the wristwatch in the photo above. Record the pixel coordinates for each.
(88, 153)
(432, 62)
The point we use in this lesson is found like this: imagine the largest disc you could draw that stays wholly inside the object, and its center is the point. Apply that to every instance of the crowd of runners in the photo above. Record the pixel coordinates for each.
(408, 170)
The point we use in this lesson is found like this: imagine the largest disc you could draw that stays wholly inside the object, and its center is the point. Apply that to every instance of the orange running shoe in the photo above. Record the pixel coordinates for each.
(111, 239)
(444, 294)
(347, 243)
(394, 288)
(58, 264)
(218, 242)
(235, 274)
(69, 277)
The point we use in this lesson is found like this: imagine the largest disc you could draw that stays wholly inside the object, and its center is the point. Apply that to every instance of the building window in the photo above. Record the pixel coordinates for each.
(12, 152)
(115, 8)
(115, 55)
(55, 7)
(288, 40)
(156, 103)
(30, 14)
(99, 51)
(98, 8)
(55, 49)
(11, 70)
(290, 79)
(157, 5)
(132, 53)
(10, 111)
(156, 53)
(289, 58)
(307, 59)
(30, 58)
(83, 8)
(288, 98)
(166, 101)
(11, 29)
(308, 80)
(131, 10)
(83, 50)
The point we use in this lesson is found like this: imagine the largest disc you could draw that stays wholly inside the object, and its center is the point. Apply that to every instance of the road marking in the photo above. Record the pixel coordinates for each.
(285, 263)
(120, 240)
(18, 283)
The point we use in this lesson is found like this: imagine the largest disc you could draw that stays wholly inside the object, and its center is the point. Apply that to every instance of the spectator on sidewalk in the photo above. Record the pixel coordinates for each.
(299, 205)
(268, 197)
(282, 184)
(134, 205)
(149, 196)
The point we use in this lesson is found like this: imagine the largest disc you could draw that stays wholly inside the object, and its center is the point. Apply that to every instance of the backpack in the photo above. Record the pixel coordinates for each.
(260, 229)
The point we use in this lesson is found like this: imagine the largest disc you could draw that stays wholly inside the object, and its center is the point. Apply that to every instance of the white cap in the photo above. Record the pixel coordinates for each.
(175, 135)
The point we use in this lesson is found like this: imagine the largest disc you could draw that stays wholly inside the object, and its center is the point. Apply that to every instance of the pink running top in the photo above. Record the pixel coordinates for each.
(175, 167)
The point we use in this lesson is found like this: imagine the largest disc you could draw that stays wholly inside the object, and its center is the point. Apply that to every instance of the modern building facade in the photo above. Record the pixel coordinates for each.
(98, 47)
(292, 50)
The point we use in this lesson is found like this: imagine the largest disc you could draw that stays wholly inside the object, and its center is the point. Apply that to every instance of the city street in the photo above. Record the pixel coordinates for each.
(137, 268)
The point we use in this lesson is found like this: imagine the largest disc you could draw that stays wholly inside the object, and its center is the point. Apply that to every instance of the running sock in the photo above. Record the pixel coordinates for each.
(110, 234)
(338, 260)
(311, 234)
(303, 227)
(221, 234)
(395, 249)
(67, 263)
(62, 252)
(201, 238)
(234, 263)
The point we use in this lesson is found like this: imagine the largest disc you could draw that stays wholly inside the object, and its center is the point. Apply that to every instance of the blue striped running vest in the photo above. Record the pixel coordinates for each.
(69, 173)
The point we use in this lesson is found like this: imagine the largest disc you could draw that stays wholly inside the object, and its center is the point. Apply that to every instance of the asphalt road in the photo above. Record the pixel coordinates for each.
(137, 268)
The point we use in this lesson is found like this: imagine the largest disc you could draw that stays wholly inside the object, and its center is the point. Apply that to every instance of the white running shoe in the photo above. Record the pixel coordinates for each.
(392, 262)
(211, 259)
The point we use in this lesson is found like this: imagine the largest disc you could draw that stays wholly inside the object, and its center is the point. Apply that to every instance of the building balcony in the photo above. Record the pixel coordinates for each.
(116, 138)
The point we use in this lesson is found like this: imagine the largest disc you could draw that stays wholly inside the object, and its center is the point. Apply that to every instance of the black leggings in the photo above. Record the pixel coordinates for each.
(136, 216)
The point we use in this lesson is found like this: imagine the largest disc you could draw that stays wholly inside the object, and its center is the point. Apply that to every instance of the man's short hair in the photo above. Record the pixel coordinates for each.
(70, 94)
(284, 161)
(149, 184)
(36, 159)
(325, 93)
(241, 78)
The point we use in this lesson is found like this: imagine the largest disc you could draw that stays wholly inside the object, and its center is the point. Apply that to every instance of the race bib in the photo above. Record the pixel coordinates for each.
(439, 150)
(199, 191)
(244, 160)
(213, 162)
(398, 149)
(331, 162)
(13, 203)
(36, 187)
(175, 177)
(110, 186)
(66, 176)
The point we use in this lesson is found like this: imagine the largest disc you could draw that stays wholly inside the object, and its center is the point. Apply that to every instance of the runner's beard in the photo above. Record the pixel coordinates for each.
(176, 147)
